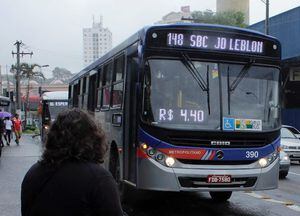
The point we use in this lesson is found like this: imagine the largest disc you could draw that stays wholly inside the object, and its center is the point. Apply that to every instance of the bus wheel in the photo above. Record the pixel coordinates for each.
(221, 196)
(114, 168)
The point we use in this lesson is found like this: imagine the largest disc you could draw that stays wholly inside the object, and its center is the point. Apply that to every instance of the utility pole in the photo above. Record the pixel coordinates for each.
(267, 3)
(267, 17)
(19, 54)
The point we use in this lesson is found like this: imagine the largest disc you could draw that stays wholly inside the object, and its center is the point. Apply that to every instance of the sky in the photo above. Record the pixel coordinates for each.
(52, 29)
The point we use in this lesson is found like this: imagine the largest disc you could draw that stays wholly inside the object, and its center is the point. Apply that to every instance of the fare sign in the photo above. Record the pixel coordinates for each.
(213, 42)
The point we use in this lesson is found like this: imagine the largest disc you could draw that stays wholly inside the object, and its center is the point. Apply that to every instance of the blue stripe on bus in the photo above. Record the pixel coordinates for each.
(229, 153)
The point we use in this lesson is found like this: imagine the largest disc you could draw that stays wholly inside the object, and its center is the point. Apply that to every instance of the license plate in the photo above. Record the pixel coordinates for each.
(219, 179)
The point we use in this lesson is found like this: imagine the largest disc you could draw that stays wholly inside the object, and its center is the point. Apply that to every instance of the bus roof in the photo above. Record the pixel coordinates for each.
(55, 95)
(3, 98)
(142, 32)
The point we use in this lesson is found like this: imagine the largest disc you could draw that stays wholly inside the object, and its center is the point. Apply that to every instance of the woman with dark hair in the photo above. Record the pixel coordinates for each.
(69, 180)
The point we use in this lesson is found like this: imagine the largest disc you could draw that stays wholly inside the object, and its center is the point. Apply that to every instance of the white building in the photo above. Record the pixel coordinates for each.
(96, 42)
(183, 16)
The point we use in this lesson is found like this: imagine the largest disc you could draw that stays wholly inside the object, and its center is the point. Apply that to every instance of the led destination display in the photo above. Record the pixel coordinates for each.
(214, 41)
(203, 41)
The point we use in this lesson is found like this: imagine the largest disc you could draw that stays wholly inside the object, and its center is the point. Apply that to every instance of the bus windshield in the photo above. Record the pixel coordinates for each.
(190, 94)
(53, 108)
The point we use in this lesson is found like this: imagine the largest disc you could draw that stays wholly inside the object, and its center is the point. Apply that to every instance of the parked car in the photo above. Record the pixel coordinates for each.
(284, 164)
(293, 129)
(290, 144)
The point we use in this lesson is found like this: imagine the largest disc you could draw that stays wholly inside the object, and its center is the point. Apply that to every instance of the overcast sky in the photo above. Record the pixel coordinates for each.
(52, 29)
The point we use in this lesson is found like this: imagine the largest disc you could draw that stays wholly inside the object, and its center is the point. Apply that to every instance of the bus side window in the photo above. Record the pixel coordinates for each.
(106, 83)
(118, 77)
(92, 92)
(99, 85)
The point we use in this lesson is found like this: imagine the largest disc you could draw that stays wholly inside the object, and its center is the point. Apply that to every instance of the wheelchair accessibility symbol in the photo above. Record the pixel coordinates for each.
(228, 124)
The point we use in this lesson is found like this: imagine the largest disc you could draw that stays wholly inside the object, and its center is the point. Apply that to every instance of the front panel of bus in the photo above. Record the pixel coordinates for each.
(50, 110)
(210, 113)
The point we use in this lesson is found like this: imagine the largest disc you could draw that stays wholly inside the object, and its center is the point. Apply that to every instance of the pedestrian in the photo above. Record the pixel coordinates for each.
(8, 127)
(17, 125)
(69, 178)
(2, 131)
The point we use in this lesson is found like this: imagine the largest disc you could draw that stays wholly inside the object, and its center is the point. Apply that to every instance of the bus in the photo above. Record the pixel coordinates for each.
(51, 104)
(5, 104)
(188, 107)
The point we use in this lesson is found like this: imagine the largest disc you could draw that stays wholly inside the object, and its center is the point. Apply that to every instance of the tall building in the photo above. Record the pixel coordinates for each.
(234, 5)
(96, 42)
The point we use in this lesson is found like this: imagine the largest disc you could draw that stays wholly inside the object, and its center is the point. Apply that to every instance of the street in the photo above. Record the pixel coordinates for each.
(16, 160)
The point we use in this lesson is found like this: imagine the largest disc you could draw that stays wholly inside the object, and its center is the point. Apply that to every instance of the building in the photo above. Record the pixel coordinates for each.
(184, 15)
(286, 28)
(234, 5)
(97, 40)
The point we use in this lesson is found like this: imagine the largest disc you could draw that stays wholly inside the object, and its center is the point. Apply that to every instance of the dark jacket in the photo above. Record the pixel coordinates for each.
(73, 189)
(2, 126)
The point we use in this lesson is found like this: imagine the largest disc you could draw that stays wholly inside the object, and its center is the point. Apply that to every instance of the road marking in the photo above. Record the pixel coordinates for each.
(294, 173)
(294, 207)
(288, 204)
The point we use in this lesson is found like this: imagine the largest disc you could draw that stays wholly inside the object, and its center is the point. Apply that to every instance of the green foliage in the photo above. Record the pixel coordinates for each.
(61, 73)
(30, 129)
(231, 18)
(30, 71)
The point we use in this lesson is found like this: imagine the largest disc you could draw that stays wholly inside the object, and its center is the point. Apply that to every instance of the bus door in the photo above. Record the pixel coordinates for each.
(130, 120)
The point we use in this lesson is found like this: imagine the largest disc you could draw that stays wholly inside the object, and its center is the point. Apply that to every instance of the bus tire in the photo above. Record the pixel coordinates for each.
(282, 175)
(114, 167)
(220, 196)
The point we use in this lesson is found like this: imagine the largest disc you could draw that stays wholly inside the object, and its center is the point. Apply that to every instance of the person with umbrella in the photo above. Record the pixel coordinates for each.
(2, 130)
(4, 126)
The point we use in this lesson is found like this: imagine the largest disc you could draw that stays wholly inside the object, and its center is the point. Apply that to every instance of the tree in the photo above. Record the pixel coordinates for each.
(61, 74)
(232, 18)
(29, 72)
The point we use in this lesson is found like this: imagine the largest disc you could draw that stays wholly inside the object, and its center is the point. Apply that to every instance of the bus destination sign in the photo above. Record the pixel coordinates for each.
(215, 43)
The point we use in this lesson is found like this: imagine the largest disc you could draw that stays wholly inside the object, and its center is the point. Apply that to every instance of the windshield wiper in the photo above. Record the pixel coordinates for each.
(188, 63)
(236, 82)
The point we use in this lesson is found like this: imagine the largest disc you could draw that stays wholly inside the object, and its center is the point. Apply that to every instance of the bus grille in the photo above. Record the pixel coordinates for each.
(191, 182)
(234, 143)
(213, 162)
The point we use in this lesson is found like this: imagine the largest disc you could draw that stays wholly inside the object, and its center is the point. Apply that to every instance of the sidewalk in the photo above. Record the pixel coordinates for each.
(14, 163)
(28, 147)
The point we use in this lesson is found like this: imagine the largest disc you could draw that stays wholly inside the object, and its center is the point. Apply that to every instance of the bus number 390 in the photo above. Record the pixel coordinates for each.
(251, 154)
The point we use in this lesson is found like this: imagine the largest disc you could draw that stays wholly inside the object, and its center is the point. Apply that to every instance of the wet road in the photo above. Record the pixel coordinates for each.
(285, 200)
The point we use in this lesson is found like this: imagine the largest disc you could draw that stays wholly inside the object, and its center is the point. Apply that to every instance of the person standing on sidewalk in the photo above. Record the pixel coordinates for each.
(2, 131)
(8, 127)
(17, 125)
(69, 179)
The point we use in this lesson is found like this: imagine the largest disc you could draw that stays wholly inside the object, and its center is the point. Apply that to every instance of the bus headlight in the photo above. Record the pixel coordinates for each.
(158, 156)
(170, 161)
(263, 162)
(266, 161)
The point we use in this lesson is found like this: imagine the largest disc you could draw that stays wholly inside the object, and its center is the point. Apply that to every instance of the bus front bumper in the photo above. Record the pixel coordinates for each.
(154, 176)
